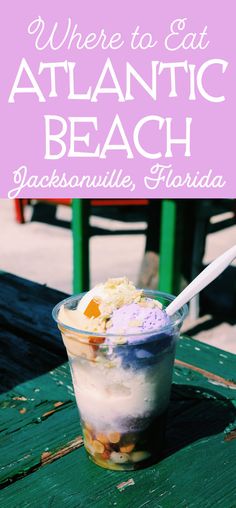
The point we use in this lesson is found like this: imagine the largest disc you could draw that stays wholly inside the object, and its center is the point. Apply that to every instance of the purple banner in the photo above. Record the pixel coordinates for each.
(125, 99)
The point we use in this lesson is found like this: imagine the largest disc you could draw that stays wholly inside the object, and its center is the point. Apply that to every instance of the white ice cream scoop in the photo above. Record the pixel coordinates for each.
(210, 273)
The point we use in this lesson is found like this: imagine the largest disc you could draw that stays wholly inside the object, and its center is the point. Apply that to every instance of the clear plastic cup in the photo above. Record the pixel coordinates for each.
(122, 386)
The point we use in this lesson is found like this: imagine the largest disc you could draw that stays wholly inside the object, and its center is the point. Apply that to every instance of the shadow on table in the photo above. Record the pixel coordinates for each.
(195, 413)
(210, 323)
(219, 298)
(46, 213)
(23, 360)
(30, 343)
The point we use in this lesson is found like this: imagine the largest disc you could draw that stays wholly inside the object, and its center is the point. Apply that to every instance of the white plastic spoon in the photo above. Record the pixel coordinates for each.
(209, 274)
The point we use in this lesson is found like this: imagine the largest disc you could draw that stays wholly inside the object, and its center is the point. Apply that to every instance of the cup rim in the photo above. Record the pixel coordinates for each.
(176, 319)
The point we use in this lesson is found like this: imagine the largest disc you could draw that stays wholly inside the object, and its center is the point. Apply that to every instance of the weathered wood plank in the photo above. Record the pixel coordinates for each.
(198, 475)
(27, 449)
(30, 343)
(43, 463)
(206, 357)
(196, 412)
(31, 317)
(209, 375)
(35, 397)
(21, 359)
(189, 377)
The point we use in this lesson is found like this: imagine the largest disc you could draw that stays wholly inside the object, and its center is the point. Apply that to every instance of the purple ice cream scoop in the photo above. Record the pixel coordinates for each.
(135, 318)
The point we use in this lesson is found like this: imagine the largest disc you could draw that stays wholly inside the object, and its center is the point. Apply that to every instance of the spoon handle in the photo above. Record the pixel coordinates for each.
(202, 280)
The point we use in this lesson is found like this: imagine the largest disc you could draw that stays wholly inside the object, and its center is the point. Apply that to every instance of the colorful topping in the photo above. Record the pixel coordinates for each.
(92, 310)
(139, 456)
(114, 437)
(98, 447)
(119, 458)
(135, 318)
(127, 448)
(114, 447)
(115, 307)
(96, 340)
(102, 438)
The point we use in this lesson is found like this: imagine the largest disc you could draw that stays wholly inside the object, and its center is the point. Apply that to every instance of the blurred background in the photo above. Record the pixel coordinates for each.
(156, 243)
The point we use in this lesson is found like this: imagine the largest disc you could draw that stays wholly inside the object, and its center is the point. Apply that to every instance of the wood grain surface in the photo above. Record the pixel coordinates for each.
(43, 461)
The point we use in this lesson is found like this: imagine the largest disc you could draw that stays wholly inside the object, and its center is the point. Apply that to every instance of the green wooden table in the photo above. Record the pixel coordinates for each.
(43, 461)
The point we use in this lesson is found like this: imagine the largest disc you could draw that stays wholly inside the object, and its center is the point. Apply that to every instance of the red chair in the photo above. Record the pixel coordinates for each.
(20, 204)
